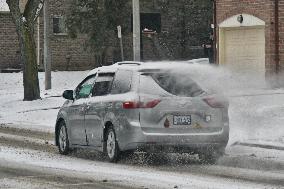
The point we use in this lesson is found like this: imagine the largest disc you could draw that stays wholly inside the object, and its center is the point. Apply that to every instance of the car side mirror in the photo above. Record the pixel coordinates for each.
(68, 94)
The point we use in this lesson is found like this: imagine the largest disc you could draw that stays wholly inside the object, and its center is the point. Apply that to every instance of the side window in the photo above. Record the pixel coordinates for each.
(102, 85)
(84, 89)
(122, 82)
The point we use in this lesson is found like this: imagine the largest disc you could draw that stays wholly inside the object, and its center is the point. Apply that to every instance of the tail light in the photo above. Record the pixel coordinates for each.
(214, 102)
(134, 105)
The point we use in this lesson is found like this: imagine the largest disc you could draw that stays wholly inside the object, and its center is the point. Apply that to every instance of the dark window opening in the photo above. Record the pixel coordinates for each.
(101, 88)
(103, 84)
(151, 21)
(59, 25)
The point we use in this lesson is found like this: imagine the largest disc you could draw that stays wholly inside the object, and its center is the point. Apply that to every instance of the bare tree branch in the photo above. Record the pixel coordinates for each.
(32, 10)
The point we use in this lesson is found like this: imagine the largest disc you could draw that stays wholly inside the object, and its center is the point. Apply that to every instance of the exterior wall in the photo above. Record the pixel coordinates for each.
(9, 45)
(281, 36)
(67, 53)
(264, 10)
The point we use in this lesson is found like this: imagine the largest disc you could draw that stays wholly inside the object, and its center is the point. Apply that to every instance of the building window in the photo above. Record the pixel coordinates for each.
(59, 26)
(151, 21)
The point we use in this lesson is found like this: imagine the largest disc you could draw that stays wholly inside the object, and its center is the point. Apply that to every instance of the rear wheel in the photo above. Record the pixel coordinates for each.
(112, 148)
(62, 139)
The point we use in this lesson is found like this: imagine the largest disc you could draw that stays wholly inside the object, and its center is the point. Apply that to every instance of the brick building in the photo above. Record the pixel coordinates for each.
(180, 27)
(250, 35)
(9, 45)
(66, 53)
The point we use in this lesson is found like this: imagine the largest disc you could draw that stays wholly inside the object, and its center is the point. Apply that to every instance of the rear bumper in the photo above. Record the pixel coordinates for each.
(137, 139)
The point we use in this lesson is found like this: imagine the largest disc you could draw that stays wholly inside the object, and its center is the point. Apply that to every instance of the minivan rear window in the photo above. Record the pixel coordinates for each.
(177, 85)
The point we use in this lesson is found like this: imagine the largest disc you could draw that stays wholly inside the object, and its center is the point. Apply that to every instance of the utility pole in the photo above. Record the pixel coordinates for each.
(47, 58)
(38, 41)
(119, 35)
(136, 30)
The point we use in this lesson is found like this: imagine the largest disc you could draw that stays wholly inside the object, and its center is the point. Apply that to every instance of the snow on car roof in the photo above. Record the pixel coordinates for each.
(140, 66)
(113, 68)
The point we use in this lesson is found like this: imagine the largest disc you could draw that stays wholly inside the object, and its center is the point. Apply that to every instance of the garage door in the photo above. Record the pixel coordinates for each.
(244, 50)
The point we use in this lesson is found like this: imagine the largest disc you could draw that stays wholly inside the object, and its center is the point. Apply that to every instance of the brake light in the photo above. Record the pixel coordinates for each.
(129, 105)
(214, 103)
(134, 105)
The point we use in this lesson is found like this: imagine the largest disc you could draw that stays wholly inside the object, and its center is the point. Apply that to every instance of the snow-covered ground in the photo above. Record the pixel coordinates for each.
(39, 114)
(256, 111)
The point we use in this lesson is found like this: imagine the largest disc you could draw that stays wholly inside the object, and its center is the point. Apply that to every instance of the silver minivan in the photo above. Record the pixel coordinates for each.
(128, 106)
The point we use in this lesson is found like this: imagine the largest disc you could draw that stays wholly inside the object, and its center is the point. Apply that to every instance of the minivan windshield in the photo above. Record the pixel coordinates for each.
(177, 84)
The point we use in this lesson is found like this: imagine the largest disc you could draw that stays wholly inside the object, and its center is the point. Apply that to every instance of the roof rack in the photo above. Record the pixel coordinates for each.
(129, 63)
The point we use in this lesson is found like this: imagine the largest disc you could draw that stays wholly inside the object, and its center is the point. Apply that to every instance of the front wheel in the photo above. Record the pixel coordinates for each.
(62, 139)
(112, 148)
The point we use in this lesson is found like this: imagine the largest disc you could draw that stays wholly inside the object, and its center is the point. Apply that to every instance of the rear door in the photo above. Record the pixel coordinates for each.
(177, 106)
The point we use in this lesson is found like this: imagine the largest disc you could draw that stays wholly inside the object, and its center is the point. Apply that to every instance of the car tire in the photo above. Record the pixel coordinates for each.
(112, 149)
(62, 139)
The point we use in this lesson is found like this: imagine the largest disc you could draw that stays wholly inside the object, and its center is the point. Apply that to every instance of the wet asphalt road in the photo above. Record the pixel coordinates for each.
(19, 178)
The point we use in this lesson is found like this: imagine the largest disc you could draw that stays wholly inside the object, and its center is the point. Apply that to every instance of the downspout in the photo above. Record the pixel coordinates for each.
(277, 35)
(214, 32)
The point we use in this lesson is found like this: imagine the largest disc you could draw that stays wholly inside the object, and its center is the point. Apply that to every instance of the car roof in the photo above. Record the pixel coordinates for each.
(130, 65)
(136, 66)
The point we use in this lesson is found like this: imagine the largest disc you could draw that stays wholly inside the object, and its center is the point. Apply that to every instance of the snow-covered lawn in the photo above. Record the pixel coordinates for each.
(256, 112)
(39, 114)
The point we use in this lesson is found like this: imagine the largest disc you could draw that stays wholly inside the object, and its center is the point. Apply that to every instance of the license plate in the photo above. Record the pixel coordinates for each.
(182, 120)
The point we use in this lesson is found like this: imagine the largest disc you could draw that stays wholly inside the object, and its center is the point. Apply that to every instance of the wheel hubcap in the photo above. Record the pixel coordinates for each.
(111, 144)
(62, 138)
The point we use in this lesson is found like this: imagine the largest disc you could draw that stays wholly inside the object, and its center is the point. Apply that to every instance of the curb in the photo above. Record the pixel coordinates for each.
(266, 146)
(26, 139)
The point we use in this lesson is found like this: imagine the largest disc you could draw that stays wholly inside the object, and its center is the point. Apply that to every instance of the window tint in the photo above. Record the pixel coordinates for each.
(122, 82)
(102, 86)
(84, 89)
(179, 86)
